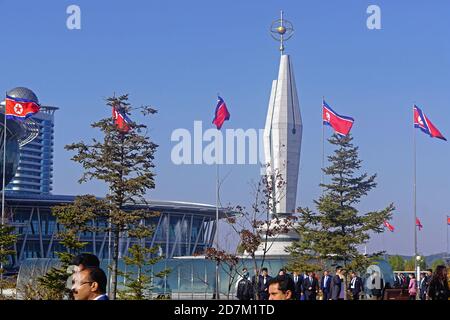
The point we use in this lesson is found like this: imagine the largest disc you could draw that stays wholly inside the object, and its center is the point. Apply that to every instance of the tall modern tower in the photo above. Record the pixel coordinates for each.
(35, 169)
(283, 130)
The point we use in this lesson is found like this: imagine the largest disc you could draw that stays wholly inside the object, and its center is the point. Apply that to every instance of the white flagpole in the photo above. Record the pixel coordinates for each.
(323, 141)
(416, 270)
(217, 224)
(4, 167)
(447, 225)
(216, 293)
(3, 184)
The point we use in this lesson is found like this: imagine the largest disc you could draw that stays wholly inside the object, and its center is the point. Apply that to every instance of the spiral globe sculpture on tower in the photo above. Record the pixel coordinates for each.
(18, 134)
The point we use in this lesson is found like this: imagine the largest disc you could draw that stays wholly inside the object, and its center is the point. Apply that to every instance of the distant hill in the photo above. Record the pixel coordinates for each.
(428, 259)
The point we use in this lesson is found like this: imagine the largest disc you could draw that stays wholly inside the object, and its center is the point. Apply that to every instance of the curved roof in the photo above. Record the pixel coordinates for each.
(49, 200)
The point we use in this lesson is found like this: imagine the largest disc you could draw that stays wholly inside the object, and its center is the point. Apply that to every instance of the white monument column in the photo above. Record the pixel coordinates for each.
(283, 137)
(282, 140)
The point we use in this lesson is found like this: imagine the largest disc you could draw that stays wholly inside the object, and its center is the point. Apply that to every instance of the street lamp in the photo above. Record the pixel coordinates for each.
(418, 260)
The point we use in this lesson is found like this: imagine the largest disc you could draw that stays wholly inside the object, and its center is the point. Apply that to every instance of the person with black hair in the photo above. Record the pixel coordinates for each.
(412, 287)
(438, 289)
(92, 285)
(428, 277)
(281, 288)
(78, 264)
(325, 285)
(298, 285)
(263, 284)
(86, 260)
(310, 286)
(355, 286)
(336, 284)
(245, 289)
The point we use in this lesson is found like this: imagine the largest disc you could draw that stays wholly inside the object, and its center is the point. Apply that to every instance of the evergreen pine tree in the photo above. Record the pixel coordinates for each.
(73, 219)
(138, 278)
(397, 262)
(337, 229)
(123, 159)
(7, 240)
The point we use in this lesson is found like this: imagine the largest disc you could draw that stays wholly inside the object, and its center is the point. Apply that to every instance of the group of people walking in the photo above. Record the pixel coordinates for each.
(430, 286)
(309, 286)
(301, 286)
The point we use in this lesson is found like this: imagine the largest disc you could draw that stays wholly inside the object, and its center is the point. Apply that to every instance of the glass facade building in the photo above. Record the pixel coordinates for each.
(35, 169)
(180, 229)
(194, 277)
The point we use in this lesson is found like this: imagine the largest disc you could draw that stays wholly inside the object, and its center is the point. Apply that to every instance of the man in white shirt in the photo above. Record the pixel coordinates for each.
(325, 283)
(355, 286)
(298, 283)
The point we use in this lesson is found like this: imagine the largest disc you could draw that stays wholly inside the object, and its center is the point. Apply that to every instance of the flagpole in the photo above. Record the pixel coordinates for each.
(4, 167)
(216, 293)
(415, 200)
(323, 142)
(3, 186)
(217, 227)
(447, 225)
(109, 247)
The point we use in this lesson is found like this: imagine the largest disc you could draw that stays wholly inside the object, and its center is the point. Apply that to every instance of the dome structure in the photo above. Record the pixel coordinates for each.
(23, 93)
(17, 134)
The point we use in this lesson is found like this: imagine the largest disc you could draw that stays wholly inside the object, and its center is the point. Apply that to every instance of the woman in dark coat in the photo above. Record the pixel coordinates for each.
(438, 289)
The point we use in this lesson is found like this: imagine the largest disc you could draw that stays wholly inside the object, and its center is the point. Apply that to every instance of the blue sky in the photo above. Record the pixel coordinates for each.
(176, 55)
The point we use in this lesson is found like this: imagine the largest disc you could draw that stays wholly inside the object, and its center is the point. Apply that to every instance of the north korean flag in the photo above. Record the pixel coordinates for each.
(419, 224)
(448, 220)
(20, 109)
(423, 123)
(221, 114)
(389, 226)
(341, 124)
(121, 120)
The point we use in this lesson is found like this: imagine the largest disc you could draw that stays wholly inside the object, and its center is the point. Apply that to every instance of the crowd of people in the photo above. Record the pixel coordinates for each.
(430, 286)
(88, 282)
(309, 286)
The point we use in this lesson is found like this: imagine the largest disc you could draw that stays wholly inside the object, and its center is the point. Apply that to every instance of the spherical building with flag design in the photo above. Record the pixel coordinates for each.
(18, 133)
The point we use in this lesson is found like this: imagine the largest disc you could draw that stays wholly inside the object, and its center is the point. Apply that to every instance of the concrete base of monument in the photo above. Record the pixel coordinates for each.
(277, 246)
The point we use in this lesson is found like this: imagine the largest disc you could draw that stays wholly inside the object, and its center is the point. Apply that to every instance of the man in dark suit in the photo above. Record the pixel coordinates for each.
(325, 284)
(428, 277)
(423, 286)
(397, 281)
(336, 283)
(91, 285)
(310, 286)
(298, 282)
(355, 286)
(263, 284)
(245, 289)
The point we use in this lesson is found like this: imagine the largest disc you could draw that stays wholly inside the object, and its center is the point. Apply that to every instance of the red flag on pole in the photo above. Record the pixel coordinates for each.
(20, 109)
(418, 224)
(448, 220)
(389, 226)
(121, 120)
(221, 114)
(341, 124)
